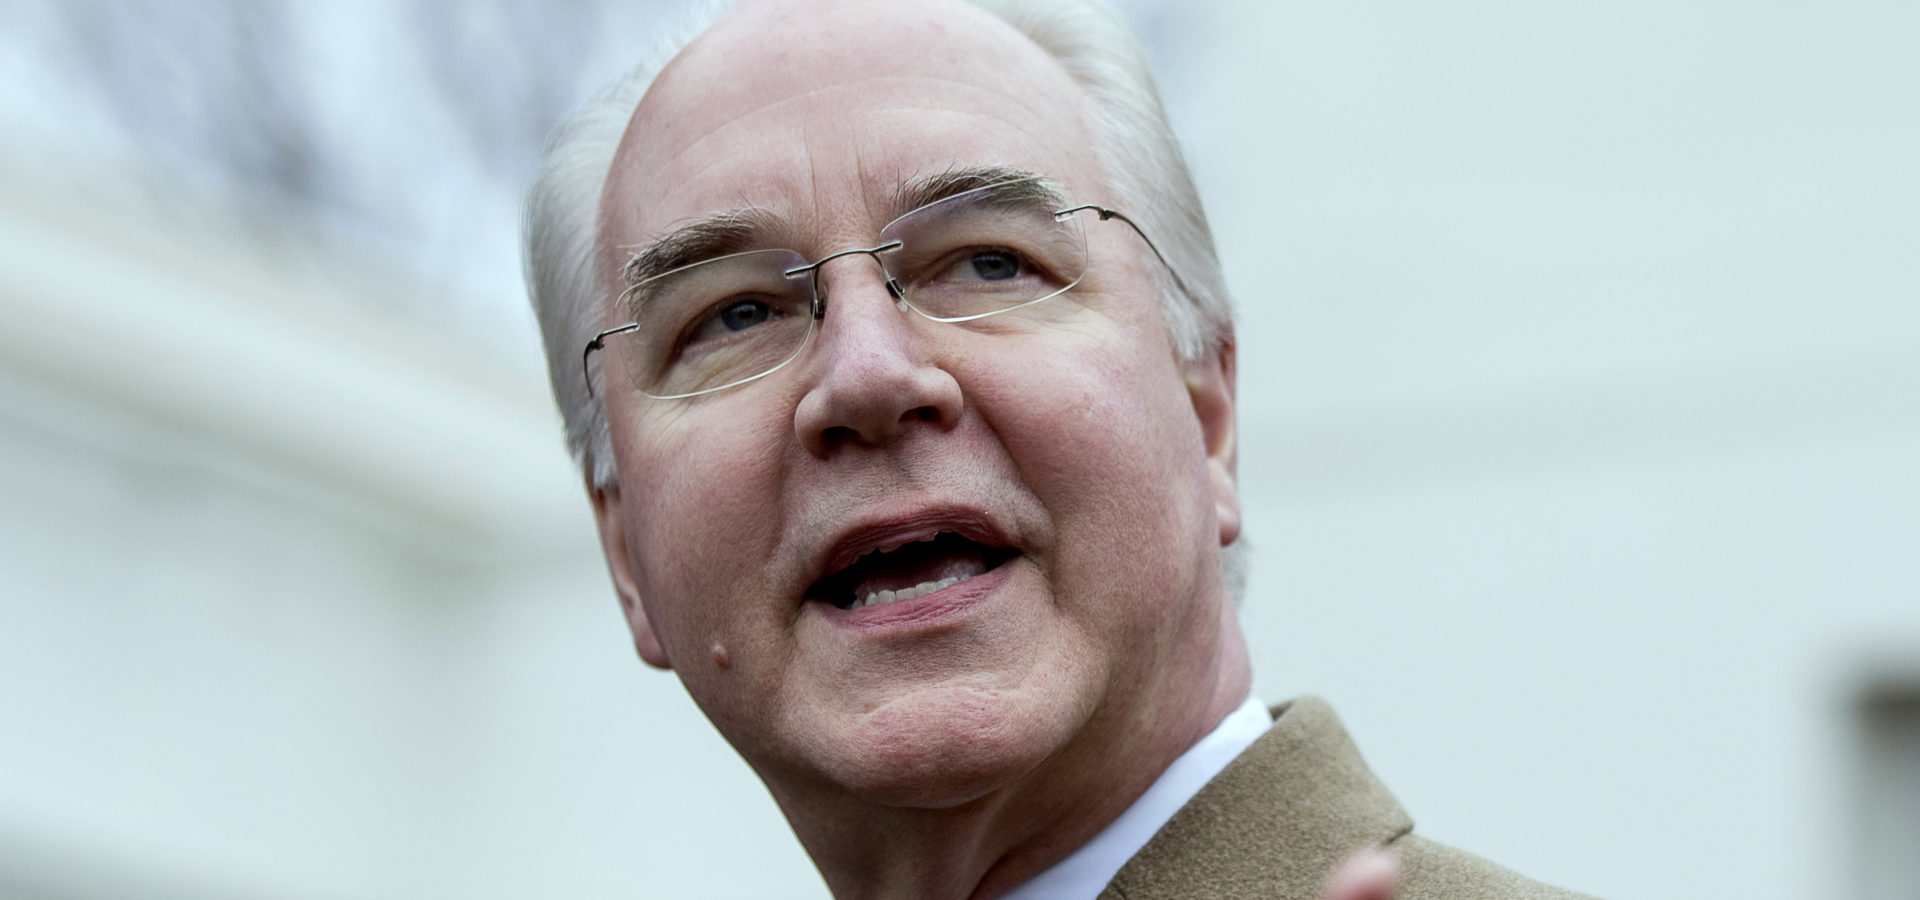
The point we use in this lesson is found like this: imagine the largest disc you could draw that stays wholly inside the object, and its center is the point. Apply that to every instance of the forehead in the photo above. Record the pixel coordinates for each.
(817, 111)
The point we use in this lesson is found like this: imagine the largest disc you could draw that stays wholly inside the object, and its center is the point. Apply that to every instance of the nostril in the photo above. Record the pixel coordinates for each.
(926, 414)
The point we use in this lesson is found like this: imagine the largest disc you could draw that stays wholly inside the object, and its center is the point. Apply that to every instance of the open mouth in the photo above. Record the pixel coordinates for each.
(909, 570)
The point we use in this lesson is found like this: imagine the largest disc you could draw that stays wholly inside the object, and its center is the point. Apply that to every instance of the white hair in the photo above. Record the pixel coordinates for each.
(1137, 151)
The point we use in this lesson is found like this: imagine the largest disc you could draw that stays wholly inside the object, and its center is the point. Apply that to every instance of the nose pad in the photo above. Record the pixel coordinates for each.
(822, 289)
(894, 290)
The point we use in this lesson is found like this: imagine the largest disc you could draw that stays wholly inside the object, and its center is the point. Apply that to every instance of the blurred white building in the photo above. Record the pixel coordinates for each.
(1580, 350)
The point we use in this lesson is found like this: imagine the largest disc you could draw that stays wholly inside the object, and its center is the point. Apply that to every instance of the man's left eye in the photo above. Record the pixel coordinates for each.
(994, 265)
(1000, 272)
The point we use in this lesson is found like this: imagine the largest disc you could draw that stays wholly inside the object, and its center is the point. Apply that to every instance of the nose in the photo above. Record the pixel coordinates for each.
(874, 376)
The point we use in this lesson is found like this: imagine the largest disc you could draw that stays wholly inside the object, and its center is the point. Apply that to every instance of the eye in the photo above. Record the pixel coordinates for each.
(733, 319)
(744, 315)
(984, 264)
(994, 265)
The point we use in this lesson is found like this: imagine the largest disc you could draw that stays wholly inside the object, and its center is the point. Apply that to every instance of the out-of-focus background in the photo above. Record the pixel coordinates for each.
(1580, 442)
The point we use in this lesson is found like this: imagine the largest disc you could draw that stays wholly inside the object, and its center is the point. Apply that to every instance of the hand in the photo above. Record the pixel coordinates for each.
(1371, 874)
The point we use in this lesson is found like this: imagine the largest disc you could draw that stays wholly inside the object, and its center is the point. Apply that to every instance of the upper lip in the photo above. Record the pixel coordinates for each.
(886, 531)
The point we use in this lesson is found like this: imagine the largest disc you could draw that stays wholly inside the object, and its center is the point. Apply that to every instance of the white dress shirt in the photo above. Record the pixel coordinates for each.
(1082, 875)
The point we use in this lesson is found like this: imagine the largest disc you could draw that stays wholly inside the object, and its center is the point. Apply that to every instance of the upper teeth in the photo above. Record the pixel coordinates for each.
(889, 548)
(918, 590)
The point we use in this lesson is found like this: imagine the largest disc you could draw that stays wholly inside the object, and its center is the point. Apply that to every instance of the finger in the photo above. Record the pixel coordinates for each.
(1371, 874)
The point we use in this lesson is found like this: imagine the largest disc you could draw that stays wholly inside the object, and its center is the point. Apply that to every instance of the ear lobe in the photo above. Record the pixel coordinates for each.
(1210, 384)
(613, 542)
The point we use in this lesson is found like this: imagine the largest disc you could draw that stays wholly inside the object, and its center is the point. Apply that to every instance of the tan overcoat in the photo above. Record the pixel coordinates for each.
(1277, 821)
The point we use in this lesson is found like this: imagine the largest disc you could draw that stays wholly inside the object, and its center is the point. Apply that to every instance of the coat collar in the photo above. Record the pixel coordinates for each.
(1274, 823)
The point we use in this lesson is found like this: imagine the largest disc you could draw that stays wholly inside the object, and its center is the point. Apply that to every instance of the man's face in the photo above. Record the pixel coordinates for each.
(1067, 462)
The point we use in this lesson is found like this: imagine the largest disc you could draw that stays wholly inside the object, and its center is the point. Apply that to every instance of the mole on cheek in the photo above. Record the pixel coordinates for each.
(721, 657)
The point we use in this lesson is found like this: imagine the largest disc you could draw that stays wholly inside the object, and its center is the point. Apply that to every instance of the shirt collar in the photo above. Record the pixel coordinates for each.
(1087, 870)
(1277, 821)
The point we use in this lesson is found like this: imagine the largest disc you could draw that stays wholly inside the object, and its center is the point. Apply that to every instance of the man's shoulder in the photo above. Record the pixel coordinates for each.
(1284, 814)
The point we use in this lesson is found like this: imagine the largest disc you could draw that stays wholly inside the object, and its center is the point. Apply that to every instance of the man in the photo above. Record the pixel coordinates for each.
(913, 456)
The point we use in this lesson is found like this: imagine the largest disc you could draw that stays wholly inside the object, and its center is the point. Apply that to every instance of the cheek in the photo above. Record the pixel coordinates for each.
(1110, 443)
(705, 518)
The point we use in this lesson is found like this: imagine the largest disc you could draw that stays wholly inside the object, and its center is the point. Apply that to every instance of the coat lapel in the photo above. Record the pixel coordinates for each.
(1274, 823)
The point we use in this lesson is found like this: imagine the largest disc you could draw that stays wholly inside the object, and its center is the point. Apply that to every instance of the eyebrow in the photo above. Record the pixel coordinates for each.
(750, 228)
(714, 236)
(1009, 185)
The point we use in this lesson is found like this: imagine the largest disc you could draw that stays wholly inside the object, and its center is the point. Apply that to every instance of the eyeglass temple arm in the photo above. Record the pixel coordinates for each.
(599, 341)
(1106, 214)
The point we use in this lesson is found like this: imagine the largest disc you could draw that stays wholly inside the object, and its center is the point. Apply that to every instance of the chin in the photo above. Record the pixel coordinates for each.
(946, 747)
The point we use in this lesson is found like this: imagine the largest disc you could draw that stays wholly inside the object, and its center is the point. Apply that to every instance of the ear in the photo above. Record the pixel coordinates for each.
(1210, 385)
(613, 542)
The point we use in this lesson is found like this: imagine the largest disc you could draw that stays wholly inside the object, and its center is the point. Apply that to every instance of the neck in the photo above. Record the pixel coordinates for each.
(990, 844)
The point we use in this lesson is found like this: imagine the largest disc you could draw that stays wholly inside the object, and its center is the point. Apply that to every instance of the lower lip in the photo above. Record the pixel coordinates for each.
(941, 604)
